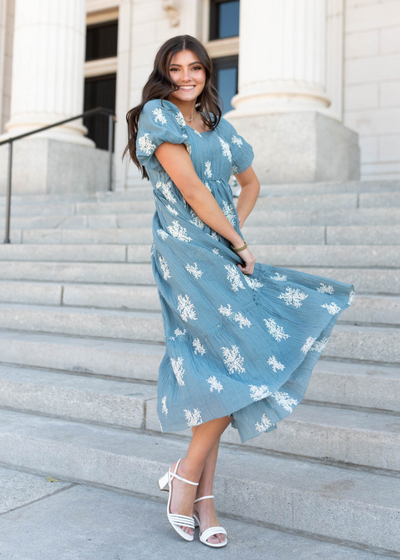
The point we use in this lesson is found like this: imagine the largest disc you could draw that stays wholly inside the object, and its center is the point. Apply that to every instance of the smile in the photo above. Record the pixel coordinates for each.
(187, 87)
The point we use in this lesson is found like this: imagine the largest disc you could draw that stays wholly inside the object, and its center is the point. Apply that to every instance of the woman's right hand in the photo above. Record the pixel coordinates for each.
(249, 259)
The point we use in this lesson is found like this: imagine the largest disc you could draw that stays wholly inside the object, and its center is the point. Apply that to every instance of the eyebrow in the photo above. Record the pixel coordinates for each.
(196, 62)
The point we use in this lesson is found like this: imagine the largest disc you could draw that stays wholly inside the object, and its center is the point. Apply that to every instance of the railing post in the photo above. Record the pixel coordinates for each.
(110, 147)
(8, 201)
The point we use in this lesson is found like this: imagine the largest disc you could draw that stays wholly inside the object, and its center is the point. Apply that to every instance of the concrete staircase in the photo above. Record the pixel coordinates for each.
(81, 338)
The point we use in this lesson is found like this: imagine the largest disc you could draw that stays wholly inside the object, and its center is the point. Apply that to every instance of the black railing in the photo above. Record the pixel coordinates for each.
(10, 141)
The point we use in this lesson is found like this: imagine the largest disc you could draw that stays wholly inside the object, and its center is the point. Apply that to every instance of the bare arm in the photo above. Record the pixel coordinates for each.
(177, 163)
(248, 195)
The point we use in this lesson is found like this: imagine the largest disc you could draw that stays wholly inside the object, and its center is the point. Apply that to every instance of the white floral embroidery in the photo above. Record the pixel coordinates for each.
(207, 171)
(184, 136)
(308, 344)
(243, 321)
(259, 393)
(254, 283)
(146, 145)
(237, 141)
(275, 330)
(279, 277)
(284, 400)
(226, 151)
(178, 332)
(325, 289)
(214, 384)
(234, 277)
(196, 220)
(272, 361)
(180, 119)
(216, 252)
(197, 132)
(293, 296)
(152, 249)
(193, 269)
(232, 359)
(178, 369)
(172, 210)
(193, 418)
(159, 116)
(166, 190)
(214, 235)
(332, 308)
(264, 425)
(163, 234)
(234, 170)
(176, 230)
(164, 405)
(319, 345)
(198, 347)
(164, 267)
(351, 297)
(207, 185)
(229, 211)
(225, 310)
(186, 308)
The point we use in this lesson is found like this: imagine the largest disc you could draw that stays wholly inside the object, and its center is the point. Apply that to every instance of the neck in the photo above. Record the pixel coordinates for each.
(187, 108)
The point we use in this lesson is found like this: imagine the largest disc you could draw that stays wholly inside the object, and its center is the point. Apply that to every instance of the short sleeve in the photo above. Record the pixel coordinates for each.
(242, 152)
(158, 123)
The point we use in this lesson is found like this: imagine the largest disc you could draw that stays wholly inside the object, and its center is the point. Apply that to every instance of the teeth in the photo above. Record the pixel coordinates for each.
(186, 87)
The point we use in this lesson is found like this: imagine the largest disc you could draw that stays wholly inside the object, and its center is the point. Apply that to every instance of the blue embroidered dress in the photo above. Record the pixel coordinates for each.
(236, 345)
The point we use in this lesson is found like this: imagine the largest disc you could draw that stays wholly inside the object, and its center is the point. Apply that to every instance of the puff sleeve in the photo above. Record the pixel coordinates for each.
(242, 151)
(157, 124)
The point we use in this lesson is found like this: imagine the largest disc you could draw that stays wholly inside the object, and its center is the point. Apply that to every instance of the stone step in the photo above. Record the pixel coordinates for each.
(365, 309)
(320, 432)
(329, 187)
(378, 344)
(274, 235)
(366, 280)
(22, 226)
(341, 383)
(276, 189)
(318, 499)
(266, 203)
(124, 360)
(75, 397)
(292, 256)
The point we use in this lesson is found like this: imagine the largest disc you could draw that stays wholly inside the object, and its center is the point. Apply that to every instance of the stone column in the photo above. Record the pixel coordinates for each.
(47, 86)
(47, 82)
(282, 101)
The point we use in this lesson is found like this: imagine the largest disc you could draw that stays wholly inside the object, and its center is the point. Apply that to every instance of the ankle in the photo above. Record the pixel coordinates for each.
(189, 470)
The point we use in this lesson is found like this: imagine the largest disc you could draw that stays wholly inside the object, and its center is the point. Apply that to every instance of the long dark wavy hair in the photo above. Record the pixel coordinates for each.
(160, 86)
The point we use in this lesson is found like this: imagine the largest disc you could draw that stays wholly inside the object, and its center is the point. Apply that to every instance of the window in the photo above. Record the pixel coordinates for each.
(101, 40)
(99, 92)
(225, 79)
(224, 19)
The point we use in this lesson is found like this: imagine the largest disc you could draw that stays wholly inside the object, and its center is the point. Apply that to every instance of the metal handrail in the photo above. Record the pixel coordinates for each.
(10, 141)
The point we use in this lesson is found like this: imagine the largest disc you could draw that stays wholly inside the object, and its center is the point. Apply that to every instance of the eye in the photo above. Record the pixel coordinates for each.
(196, 67)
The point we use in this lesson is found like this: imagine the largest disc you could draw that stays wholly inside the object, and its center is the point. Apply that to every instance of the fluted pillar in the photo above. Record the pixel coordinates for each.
(282, 55)
(48, 64)
(282, 103)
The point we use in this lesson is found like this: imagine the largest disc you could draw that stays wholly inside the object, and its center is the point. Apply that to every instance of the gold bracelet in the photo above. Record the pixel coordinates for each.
(240, 248)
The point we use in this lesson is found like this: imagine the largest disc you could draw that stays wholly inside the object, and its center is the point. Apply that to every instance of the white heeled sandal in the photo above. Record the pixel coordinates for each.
(175, 518)
(210, 531)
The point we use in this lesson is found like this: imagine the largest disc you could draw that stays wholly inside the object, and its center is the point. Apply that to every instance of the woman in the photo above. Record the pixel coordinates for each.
(241, 337)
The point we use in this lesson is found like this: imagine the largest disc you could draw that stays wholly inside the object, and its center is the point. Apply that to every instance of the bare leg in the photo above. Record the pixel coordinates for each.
(191, 467)
(205, 509)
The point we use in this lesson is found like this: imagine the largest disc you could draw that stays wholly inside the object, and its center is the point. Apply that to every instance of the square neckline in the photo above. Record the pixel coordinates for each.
(186, 125)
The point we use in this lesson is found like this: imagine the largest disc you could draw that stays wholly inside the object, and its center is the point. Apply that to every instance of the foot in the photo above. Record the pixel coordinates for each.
(183, 494)
(205, 511)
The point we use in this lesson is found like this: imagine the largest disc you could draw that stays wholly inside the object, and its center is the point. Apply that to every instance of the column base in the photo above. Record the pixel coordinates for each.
(298, 147)
(47, 166)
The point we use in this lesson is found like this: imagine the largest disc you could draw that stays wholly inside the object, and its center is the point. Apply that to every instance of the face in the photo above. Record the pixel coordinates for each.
(186, 70)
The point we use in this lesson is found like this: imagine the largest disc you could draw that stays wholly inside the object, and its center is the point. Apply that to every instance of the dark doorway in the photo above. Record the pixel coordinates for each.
(99, 92)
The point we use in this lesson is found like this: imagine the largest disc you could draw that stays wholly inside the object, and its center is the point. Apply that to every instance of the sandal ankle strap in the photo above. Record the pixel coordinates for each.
(181, 477)
(203, 498)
